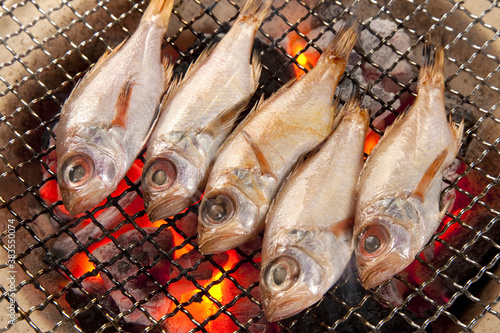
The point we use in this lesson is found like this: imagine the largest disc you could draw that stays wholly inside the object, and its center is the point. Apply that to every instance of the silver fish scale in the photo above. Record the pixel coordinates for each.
(47, 46)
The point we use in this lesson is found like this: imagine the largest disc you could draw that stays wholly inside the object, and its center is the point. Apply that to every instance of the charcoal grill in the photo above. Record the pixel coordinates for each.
(47, 46)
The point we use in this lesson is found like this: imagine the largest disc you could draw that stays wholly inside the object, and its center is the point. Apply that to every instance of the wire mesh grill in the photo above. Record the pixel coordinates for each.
(47, 46)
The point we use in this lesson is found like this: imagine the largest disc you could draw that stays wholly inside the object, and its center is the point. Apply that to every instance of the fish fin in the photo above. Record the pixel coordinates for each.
(159, 11)
(283, 88)
(353, 102)
(108, 53)
(337, 114)
(256, 69)
(225, 119)
(264, 164)
(432, 69)
(429, 175)
(341, 46)
(341, 227)
(170, 91)
(445, 208)
(122, 105)
(458, 130)
(245, 120)
(95, 68)
(352, 106)
(396, 121)
(255, 10)
(261, 104)
(201, 60)
(168, 69)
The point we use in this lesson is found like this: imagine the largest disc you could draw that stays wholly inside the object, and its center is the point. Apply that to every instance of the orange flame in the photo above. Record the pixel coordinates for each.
(307, 59)
(372, 138)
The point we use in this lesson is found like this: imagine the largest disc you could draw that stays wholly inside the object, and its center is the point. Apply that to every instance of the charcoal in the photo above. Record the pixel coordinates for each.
(109, 219)
(384, 56)
(188, 224)
(139, 285)
(93, 318)
(204, 270)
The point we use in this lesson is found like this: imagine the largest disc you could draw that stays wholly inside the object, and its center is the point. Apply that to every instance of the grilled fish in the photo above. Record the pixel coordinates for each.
(255, 159)
(198, 115)
(400, 185)
(110, 113)
(308, 236)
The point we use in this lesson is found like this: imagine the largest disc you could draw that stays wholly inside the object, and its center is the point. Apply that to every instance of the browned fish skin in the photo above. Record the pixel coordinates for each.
(109, 115)
(198, 115)
(308, 237)
(256, 158)
(399, 188)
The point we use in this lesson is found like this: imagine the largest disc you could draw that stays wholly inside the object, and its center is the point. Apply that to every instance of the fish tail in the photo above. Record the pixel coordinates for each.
(341, 46)
(458, 131)
(353, 102)
(432, 70)
(255, 10)
(159, 11)
(353, 107)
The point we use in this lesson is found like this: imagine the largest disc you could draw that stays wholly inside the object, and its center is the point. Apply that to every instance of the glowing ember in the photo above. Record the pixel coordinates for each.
(307, 58)
(372, 138)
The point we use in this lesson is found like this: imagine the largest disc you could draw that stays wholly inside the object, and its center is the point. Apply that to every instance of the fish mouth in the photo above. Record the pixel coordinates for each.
(164, 206)
(77, 202)
(372, 276)
(216, 243)
(281, 306)
(240, 224)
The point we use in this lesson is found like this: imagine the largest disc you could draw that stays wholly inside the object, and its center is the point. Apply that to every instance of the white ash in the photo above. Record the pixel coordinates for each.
(346, 87)
(385, 57)
(141, 286)
(451, 175)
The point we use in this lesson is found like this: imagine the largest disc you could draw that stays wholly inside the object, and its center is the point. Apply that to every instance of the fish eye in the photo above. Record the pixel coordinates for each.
(372, 244)
(217, 209)
(159, 174)
(279, 275)
(76, 173)
(282, 273)
(372, 240)
(159, 177)
(77, 170)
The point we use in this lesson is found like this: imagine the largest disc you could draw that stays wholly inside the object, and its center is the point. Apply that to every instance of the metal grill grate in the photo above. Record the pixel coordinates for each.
(47, 46)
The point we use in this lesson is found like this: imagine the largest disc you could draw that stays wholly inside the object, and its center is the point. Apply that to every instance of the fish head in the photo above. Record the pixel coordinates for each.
(298, 269)
(89, 168)
(232, 211)
(170, 183)
(386, 240)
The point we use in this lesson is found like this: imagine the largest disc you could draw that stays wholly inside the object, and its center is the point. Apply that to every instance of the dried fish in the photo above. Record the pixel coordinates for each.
(308, 236)
(110, 113)
(198, 114)
(256, 158)
(400, 185)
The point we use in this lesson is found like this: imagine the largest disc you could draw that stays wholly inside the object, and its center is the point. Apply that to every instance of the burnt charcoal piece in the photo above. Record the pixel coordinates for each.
(188, 224)
(109, 219)
(92, 319)
(138, 285)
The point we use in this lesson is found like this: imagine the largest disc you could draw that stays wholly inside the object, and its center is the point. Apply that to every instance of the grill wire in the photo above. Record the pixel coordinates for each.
(32, 100)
